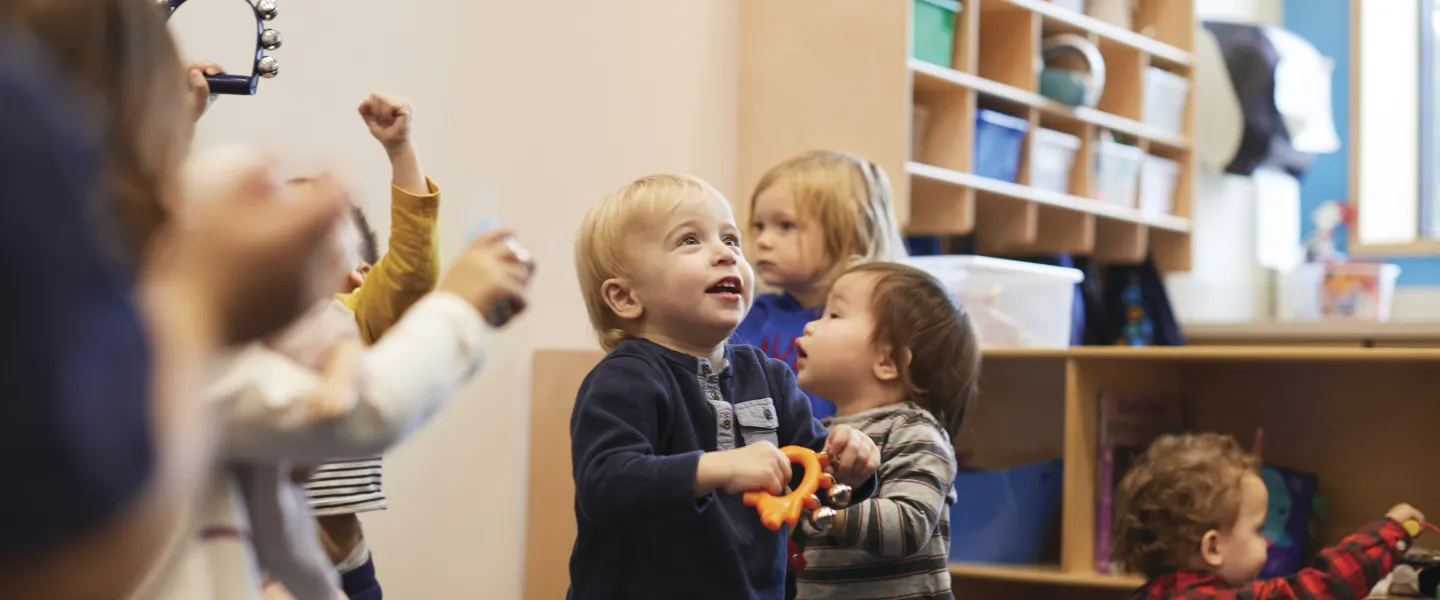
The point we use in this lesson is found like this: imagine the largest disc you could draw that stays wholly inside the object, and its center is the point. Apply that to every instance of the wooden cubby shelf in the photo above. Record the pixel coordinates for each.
(839, 74)
(930, 77)
(1163, 54)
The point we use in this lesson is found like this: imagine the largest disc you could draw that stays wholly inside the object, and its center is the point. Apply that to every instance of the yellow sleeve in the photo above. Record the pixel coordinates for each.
(410, 268)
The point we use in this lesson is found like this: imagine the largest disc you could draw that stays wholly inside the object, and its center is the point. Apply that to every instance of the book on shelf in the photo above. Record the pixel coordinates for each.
(1127, 424)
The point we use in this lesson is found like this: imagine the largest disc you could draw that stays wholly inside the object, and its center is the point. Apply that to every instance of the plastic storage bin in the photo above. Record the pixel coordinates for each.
(1003, 516)
(1117, 172)
(1337, 291)
(1052, 154)
(933, 38)
(1165, 93)
(999, 140)
(1012, 303)
(1157, 185)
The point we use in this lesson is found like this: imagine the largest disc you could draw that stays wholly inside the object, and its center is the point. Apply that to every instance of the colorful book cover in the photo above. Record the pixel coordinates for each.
(1127, 424)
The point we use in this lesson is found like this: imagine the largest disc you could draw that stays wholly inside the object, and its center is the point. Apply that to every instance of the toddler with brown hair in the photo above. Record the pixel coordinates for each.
(1188, 517)
(900, 360)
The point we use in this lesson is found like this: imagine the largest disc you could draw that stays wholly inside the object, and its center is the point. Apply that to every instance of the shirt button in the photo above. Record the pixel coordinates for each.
(715, 396)
(725, 423)
(768, 414)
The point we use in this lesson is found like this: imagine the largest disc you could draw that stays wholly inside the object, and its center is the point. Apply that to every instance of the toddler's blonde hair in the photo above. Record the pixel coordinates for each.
(849, 197)
(600, 244)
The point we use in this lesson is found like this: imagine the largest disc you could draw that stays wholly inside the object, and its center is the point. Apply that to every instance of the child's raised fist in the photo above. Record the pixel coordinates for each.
(854, 457)
(388, 118)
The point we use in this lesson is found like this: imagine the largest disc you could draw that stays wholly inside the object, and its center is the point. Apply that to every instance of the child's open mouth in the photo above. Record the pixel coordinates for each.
(728, 288)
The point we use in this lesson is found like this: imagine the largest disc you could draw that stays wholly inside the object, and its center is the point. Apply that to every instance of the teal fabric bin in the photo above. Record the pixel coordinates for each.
(933, 36)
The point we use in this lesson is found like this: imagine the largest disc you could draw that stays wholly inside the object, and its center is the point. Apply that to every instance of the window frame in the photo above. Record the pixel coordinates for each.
(1424, 239)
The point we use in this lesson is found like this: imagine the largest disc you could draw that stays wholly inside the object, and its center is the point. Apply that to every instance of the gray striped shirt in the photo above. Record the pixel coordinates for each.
(896, 544)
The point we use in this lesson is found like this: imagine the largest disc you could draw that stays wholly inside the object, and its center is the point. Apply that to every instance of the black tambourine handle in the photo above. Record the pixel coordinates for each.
(265, 39)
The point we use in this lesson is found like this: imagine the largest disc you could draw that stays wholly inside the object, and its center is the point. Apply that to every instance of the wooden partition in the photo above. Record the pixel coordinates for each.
(1358, 418)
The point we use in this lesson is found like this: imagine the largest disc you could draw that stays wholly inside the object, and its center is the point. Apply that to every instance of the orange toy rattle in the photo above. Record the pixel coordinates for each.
(775, 510)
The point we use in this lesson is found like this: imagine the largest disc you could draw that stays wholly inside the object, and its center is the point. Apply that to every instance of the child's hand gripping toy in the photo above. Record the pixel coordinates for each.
(265, 39)
(775, 510)
(503, 310)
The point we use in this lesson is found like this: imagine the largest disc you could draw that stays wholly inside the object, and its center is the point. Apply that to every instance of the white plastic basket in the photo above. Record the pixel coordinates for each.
(1337, 291)
(1012, 303)
(1117, 172)
(1052, 154)
(1157, 185)
(1164, 106)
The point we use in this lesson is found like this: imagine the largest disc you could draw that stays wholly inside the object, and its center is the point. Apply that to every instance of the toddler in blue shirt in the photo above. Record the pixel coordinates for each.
(811, 217)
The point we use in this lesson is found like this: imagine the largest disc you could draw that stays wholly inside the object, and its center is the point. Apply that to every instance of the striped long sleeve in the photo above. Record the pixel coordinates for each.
(896, 543)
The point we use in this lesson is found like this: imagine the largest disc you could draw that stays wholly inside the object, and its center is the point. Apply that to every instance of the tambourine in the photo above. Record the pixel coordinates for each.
(777, 510)
(265, 39)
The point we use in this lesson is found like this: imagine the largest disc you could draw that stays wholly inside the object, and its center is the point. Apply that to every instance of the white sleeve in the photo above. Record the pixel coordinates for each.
(403, 380)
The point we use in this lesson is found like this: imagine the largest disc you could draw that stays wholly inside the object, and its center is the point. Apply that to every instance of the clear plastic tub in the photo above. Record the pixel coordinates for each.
(1164, 106)
(1052, 154)
(1157, 185)
(1117, 172)
(1012, 303)
(1361, 291)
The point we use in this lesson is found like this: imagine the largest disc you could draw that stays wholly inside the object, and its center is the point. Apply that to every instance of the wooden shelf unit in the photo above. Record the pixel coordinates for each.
(837, 74)
(1359, 418)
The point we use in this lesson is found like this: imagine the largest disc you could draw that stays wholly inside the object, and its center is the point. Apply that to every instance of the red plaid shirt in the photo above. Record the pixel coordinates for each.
(1348, 570)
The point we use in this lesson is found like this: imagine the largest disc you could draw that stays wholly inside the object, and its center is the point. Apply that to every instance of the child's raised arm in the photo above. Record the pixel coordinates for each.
(389, 118)
(401, 381)
(410, 267)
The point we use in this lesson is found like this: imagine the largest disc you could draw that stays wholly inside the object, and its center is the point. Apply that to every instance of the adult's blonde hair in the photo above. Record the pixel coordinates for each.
(600, 245)
(849, 197)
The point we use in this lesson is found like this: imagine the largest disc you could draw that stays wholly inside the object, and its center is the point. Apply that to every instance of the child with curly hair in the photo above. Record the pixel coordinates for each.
(1188, 517)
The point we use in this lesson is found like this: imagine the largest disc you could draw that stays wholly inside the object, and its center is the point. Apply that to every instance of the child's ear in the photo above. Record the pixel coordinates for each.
(622, 299)
(1210, 549)
(888, 368)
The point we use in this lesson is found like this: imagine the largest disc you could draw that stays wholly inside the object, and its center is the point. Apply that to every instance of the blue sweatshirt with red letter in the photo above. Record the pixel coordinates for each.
(772, 326)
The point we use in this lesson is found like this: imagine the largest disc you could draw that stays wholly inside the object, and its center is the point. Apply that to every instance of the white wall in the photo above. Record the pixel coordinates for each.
(530, 110)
